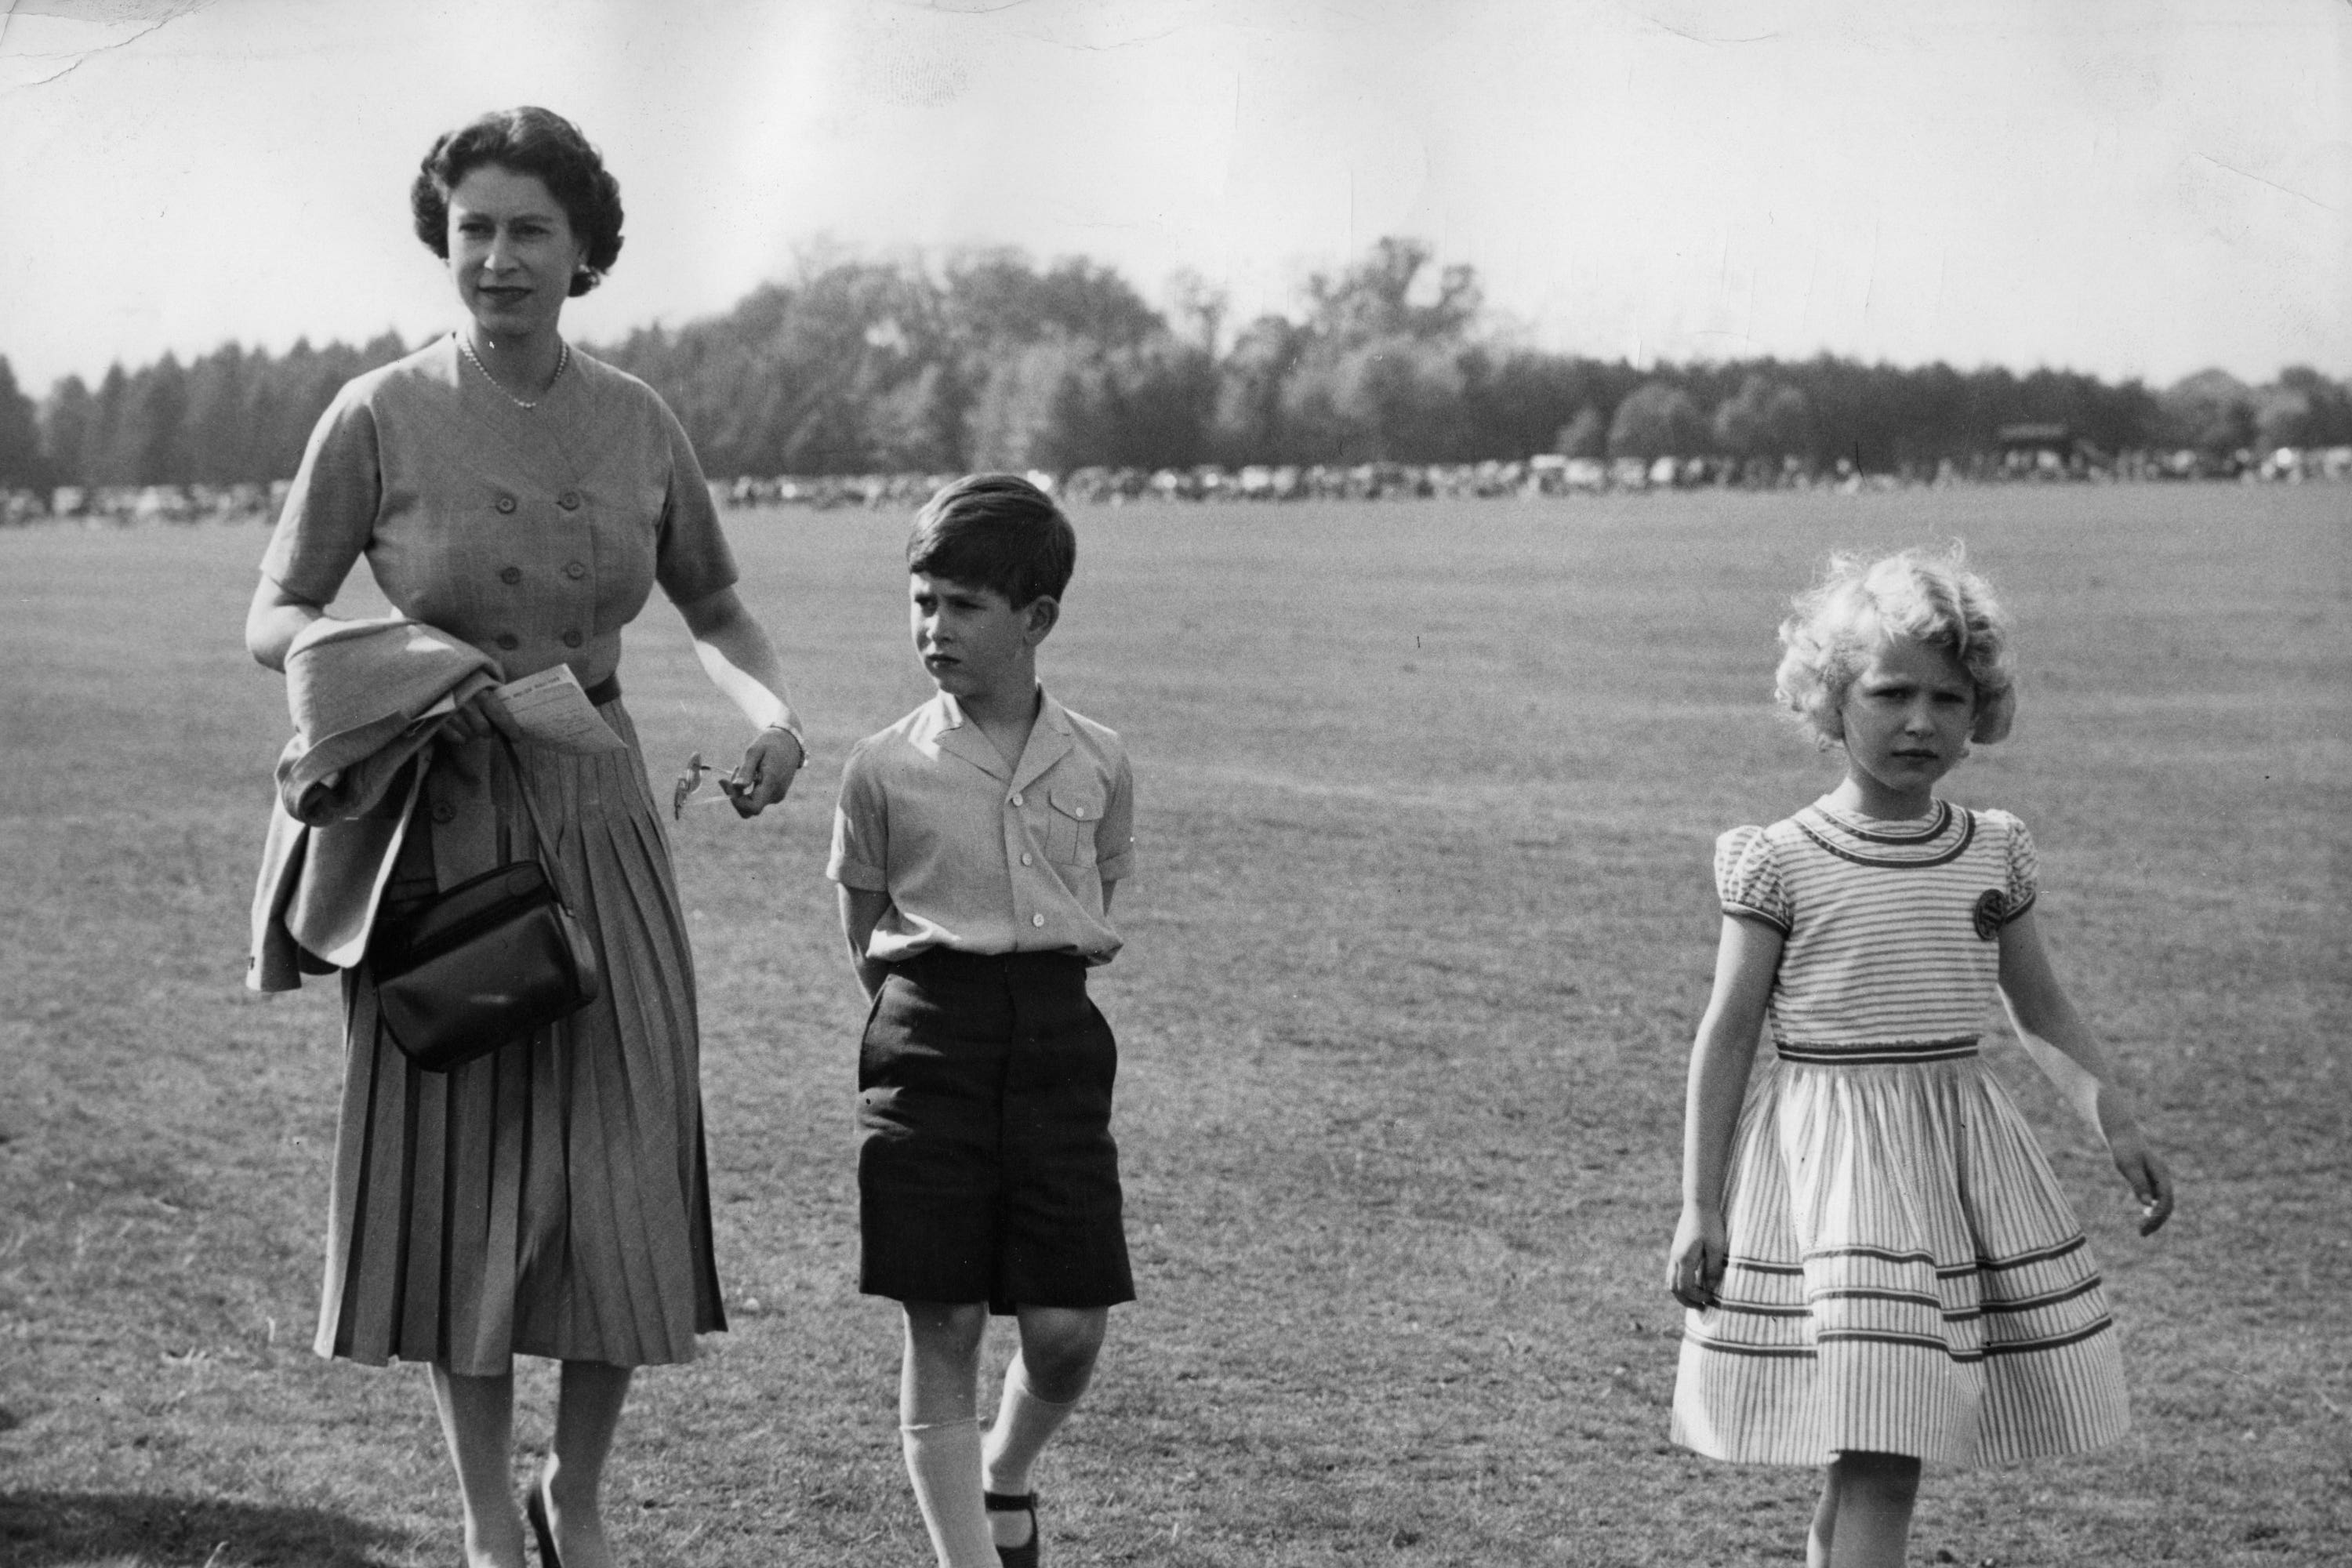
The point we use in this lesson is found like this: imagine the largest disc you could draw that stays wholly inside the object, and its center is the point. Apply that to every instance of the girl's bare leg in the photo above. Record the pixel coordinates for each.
(1875, 1493)
(1825, 1527)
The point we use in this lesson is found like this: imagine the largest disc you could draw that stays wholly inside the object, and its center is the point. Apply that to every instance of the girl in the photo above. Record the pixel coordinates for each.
(1880, 1268)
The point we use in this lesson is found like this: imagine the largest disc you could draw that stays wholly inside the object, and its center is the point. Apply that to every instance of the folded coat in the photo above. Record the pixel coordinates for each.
(367, 698)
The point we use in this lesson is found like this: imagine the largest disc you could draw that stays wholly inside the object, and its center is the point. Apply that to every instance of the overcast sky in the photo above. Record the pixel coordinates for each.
(2143, 187)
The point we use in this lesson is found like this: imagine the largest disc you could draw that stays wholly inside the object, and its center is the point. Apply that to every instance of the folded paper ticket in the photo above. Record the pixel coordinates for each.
(551, 709)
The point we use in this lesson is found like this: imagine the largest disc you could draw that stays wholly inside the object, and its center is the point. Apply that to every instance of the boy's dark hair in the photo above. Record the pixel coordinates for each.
(997, 531)
(529, 142)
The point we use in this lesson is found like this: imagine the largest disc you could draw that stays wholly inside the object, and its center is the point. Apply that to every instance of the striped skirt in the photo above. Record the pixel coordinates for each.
(1906, 1277)
(549, 1198)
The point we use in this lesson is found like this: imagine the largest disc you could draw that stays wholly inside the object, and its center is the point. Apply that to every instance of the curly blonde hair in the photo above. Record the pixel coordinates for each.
(1928, 596)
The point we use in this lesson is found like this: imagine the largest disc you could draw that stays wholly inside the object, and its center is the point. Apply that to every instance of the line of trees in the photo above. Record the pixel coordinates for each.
(986, 360)
(236, 416)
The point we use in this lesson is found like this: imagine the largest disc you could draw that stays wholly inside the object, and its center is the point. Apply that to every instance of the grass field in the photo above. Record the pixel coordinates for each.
(1414, 954)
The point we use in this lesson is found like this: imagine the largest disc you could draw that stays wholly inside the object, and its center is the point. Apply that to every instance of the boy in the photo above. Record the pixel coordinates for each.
(977, 844)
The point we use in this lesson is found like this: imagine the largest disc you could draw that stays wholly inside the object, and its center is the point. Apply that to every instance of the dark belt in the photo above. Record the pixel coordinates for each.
(605, 690)
(950, 963)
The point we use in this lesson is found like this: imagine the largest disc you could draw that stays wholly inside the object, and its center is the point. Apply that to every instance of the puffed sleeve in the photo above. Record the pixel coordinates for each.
(1748, 880)
(1115, 834)
(691, 559)
(861, 825)
(331, 512)
(2024, 874)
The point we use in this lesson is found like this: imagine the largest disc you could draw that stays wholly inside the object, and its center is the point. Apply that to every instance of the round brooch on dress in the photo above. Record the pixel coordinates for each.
(1992, 905)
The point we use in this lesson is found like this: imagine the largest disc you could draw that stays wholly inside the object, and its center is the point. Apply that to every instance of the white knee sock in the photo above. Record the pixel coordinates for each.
(1023, 1423)
(944, 1461)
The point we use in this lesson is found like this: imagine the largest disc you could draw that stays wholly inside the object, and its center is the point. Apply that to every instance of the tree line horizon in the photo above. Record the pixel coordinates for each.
(989, 362)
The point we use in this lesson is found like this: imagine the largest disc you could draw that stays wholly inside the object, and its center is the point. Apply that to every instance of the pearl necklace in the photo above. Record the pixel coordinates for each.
(501, 386)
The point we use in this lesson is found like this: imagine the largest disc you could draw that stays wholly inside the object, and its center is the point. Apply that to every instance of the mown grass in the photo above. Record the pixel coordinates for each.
(1414, 954)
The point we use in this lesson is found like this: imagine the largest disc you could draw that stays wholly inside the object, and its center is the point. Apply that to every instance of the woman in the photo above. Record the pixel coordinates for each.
(549, 1198)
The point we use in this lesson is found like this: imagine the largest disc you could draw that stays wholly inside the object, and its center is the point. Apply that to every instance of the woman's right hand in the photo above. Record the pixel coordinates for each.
(769, 764)
(1694, 1266)
(472, 720)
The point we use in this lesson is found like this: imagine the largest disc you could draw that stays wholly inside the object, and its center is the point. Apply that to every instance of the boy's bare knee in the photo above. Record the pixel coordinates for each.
(939, 1380)
(1058, 1347)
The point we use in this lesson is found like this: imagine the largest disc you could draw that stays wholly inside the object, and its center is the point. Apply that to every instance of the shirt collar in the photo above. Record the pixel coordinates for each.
(1049, 738)
(1049, 741)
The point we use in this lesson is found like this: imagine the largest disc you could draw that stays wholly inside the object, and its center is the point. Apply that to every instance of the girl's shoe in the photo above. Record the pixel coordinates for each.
(534, 1507)
(1025, 1555)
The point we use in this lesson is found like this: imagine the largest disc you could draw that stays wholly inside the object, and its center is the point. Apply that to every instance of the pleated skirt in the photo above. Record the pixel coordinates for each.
(551, 1198)
(1906, 1277)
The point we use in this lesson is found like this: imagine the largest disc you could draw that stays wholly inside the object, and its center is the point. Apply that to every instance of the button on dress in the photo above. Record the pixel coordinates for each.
(549, 1198)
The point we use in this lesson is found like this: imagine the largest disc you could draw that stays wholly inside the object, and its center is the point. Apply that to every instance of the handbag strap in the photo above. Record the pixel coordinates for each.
(542, 845)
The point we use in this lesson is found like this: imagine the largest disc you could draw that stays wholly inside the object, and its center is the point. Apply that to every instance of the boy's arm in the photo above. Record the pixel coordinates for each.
(2061, 1045)
(861, 911)
(1115, 829)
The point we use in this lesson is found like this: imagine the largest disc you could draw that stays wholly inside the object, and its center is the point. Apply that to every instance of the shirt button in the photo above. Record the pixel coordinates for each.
(575, 570)
(509, 641)
(444, 812)
(1026, 859)
(511, 575)
(569, 500)
(1036, 920)
(573, 640)
(1017, 800)
(506, 503)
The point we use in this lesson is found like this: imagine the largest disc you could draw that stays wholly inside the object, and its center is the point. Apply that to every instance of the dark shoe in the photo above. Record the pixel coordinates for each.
(535, 1508)
(1025, 1555)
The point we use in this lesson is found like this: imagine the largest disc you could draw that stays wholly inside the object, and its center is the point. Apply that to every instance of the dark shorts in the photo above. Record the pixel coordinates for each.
(985, 1166)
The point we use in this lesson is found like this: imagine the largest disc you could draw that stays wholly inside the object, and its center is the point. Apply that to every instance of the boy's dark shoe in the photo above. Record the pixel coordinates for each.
(1025, 1555)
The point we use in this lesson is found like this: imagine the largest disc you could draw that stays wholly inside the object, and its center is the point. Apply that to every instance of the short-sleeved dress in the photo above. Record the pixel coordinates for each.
(549, 1198)
(1906, 1276)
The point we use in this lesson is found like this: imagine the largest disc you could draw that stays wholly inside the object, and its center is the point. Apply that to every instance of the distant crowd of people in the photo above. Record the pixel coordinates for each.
(1546, 474)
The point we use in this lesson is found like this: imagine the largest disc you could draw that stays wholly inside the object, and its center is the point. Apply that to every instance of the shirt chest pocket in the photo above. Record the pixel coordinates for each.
(1071, 818)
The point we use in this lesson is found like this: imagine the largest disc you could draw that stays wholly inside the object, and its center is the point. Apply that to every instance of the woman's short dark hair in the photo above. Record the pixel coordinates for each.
(997, 531)
(529, 141)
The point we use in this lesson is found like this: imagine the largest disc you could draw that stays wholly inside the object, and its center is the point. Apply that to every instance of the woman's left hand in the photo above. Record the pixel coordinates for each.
(766, 773)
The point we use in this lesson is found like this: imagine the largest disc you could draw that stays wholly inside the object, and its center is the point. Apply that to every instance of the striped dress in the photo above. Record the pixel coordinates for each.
(1906, 1276)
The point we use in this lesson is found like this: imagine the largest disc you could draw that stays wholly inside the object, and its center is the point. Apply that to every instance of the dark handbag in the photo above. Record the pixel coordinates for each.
(494, 958)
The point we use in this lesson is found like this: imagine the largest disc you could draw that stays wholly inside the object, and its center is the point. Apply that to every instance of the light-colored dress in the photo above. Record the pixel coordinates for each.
(549, 1198)
(1906, 1276)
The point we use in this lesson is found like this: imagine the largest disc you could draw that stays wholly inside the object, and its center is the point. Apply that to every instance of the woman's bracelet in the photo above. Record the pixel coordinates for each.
(798, 740)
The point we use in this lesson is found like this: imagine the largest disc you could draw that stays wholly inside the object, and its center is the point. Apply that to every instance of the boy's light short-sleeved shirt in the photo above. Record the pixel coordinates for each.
(979, 857)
